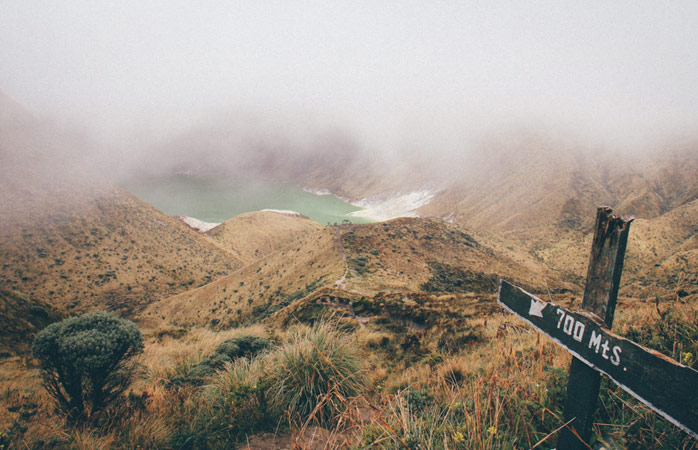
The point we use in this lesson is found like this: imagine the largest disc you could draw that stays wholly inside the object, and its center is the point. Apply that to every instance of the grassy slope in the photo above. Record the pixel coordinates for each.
(248, 294)
(525, 185)
(659, 250)
(72, 239)
(254, 235)
(426, 257)
(21, 317)
(543, 199)
(101, 249)
(404, 254)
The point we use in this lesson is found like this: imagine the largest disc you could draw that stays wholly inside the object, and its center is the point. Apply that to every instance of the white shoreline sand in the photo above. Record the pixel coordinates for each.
(285, 212)
(196, 224)
(383, 208)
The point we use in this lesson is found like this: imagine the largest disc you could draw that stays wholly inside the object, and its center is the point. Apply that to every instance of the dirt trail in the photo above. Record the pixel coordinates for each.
(341, 282)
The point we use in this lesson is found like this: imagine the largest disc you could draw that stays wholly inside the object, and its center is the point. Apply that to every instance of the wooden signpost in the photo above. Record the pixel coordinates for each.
(669, 388)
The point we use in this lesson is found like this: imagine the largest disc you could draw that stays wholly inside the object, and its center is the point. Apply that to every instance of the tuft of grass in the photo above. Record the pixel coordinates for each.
(89, 439)
(234, 406)
(312, 376)
(239, 394)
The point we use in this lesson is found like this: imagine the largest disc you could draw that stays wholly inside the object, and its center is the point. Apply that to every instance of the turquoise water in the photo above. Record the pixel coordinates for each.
(216, 200)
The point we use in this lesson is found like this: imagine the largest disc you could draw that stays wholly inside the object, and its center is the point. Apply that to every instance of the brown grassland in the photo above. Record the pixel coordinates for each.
(438, 364)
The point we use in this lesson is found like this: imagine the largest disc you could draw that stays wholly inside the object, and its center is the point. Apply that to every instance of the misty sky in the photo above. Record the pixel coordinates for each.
(421, 72)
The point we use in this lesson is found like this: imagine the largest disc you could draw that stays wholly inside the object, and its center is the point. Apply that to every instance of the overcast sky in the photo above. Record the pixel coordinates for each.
(420, 71)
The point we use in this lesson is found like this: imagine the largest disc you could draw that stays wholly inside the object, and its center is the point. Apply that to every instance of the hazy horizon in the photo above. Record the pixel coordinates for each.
(389, 80)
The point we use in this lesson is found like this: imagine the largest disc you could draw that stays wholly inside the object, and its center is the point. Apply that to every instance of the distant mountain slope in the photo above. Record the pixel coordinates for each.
(526, 184)
(544, 193)
(666, 253)
(657, 183)
(255, 235)
(660, 257)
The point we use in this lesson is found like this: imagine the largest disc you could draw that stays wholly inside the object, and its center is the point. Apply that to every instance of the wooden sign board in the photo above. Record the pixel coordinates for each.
(669, 388)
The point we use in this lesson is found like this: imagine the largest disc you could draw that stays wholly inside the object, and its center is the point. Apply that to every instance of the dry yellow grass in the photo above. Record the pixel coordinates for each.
(105, 250)
(483, 385)
(396, 256)
(160, 354)
(23, 401)
(253, 236)
(256, 290)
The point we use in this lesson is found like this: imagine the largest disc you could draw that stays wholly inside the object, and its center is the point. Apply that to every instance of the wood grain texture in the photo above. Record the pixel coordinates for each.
(600, 296)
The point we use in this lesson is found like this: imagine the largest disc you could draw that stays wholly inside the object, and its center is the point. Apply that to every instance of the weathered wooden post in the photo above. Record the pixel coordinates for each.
(600, 296)
(666, 386)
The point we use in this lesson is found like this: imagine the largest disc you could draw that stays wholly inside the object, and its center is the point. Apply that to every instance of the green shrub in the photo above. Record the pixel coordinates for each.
(447, 278)
(453, 342)
(417, 399)
(179, 373)
(314, 373)
(86, 361)
(247, 346)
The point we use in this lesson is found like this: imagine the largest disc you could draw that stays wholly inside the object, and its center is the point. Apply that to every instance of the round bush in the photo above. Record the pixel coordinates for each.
(314, 373)
(86, 361)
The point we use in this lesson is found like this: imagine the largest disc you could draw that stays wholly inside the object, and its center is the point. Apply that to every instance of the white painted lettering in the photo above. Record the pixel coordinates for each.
(569, 323)
(578, 332)
(562, 316)
(595, 340)
(605, 348)
(615, 359)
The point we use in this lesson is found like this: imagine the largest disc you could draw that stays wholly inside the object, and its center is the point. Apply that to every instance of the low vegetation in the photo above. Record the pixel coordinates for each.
(86, 361)
(494, 384)
(314, 373)
(413, 352)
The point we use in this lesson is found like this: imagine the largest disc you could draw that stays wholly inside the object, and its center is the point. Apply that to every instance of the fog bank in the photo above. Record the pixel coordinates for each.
(164, 84)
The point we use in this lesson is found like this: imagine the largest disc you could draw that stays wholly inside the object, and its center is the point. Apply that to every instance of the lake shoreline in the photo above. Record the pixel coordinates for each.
(215, 200)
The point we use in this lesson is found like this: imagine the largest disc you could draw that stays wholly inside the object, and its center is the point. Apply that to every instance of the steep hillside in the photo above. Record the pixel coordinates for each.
(522, 185)
(69, 237)
(540, 196)
(21, 317)
(419, 275)
(526, 184)
(430, 255)
(107, 249)
(372, 262)
(257, 290)
(660, 257)
(255, 235)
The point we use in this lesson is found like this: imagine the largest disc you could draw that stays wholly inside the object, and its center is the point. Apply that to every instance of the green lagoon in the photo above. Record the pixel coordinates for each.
(217, 200)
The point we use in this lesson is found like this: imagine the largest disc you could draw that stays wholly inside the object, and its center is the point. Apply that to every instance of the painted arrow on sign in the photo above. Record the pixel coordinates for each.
(669, 388)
